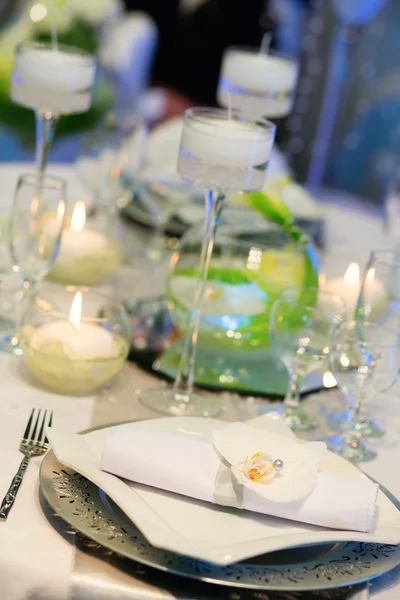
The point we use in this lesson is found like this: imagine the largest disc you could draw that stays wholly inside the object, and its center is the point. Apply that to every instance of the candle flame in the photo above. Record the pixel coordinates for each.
(328, 380)
(38, 12)
(76, 310)
(370, 275)
(352, 275)
(78, 218)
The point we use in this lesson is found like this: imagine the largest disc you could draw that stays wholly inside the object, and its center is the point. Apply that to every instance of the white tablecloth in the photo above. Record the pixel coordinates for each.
(36, 562)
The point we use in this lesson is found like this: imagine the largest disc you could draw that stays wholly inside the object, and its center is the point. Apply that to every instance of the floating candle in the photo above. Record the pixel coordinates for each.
(228, 142)
(348, 287)
(79, 340)
(257, 83)
(80, 239)
(86, 256)
(57, 80)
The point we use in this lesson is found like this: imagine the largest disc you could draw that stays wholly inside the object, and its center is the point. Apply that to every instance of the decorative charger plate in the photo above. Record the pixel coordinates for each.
(86, 507)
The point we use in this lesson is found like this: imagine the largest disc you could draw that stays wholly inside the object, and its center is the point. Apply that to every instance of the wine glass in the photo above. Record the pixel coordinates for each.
(378, 301)
(37, 220)
(365, 360)
(222, 152)
(300, 329)
(257, 82)
(52, 79)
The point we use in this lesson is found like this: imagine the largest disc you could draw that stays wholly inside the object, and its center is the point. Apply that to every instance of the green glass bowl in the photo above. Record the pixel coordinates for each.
(251, 264)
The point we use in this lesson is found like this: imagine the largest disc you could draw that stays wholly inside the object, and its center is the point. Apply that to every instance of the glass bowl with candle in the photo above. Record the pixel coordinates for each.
(74, 340)
(88, 253)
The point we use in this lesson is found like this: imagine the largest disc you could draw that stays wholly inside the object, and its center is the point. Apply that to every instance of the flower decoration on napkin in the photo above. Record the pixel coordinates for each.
(281, 468)
(260, 468)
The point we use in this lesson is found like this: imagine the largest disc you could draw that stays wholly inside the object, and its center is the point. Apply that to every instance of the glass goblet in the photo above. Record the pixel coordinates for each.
(222, 152)
(300, 329)
(52, 79)
(364, 360)
(378, 301)
(37, 220)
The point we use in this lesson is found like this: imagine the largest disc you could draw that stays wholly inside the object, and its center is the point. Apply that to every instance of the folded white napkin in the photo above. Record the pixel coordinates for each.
(196, 469)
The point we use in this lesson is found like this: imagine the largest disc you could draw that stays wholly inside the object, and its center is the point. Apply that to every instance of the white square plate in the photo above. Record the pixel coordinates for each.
(205, 531)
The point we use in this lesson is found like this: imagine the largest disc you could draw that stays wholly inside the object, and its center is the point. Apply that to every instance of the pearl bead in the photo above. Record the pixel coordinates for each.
(278, 464)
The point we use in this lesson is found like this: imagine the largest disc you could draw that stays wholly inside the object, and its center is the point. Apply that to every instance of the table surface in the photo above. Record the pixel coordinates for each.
(36, 561)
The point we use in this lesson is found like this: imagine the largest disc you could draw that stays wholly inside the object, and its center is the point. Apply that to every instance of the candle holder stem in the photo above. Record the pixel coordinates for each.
(184, 381)
(46, 123)
(181, 399)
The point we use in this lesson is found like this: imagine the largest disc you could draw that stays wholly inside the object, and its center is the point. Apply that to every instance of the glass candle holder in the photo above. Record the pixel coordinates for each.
(74, 340)
(90, 249)
(53, 80)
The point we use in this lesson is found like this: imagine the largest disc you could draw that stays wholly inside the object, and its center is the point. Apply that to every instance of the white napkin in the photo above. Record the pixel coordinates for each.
(191, 468)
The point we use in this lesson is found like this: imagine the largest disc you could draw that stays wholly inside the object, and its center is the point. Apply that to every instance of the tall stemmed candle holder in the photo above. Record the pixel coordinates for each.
(257, 82)
(52, 80)
(223, 152)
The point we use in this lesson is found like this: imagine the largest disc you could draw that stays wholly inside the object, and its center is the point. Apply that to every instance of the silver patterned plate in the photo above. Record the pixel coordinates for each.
(86, 508)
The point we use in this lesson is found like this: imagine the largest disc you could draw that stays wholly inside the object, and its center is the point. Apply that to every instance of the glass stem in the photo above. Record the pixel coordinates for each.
(26, 286)
(292, 398)
(184, 381)
(45, 127)
(352, 411)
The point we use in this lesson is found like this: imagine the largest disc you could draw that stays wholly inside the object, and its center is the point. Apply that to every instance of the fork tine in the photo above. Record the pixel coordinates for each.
(33, 433)
(46, 440)
(40, 434)
(28, 426)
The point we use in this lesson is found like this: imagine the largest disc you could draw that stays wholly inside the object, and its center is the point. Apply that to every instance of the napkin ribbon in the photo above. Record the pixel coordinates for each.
(227, 490)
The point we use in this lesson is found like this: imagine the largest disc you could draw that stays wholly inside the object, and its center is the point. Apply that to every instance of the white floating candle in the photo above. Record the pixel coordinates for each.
(348, 287)
(47, 78)
(227, 142)
(80, 240)
(258, 84)
(80, 340)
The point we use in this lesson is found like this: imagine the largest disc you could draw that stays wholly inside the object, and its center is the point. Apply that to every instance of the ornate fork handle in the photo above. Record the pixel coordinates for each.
(10, 496)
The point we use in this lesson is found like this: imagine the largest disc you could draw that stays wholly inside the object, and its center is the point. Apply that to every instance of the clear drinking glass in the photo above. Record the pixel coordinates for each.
(52, 79)
(364, 360)
(222, 152)
(378, 301)
(37, 220)
(261, 84)
(300, 329)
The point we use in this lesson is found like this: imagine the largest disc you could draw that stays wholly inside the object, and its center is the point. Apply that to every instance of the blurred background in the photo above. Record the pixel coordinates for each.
(160, 56)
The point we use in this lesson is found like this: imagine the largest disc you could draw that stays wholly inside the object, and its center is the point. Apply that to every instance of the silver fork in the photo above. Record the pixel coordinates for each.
(34, 443)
